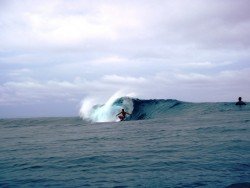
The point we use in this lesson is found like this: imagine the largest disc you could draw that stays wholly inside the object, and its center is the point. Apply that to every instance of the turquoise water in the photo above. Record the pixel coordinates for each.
(209, 148)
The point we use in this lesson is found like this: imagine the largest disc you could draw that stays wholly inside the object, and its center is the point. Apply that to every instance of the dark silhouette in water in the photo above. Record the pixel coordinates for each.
(239, 185)
(123, 115)
(240, 102)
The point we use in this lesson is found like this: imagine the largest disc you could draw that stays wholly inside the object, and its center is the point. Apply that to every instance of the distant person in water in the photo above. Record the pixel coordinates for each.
(240, 102)
(122, 115)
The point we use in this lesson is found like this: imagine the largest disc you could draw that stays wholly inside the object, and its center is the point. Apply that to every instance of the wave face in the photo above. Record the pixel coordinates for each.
(154, 108)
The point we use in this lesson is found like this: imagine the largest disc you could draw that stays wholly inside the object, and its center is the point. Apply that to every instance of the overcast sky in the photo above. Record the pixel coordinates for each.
(53, 54)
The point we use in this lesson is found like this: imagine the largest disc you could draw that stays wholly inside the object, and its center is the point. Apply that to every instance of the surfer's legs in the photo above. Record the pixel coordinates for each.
(121, 117)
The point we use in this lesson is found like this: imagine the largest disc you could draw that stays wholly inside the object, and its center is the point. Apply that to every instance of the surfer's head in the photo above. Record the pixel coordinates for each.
(239, 98)
(123, 110)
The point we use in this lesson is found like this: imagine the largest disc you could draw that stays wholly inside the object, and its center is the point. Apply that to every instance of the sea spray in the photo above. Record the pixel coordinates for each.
(86, 108)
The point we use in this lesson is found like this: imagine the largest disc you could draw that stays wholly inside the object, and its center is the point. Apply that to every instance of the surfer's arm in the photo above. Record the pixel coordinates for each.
(118, 114)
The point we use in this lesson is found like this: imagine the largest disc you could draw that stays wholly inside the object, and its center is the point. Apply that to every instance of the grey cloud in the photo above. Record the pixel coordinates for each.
(226, 81)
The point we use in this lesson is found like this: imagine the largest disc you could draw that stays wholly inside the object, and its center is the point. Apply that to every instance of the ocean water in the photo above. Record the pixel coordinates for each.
(164, 143)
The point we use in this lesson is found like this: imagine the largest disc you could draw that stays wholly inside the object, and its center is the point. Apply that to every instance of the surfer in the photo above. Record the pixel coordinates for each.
(240, 102)
(122, 115)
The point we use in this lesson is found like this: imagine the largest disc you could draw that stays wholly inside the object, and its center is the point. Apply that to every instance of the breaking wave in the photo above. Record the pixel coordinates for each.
(149, 109)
